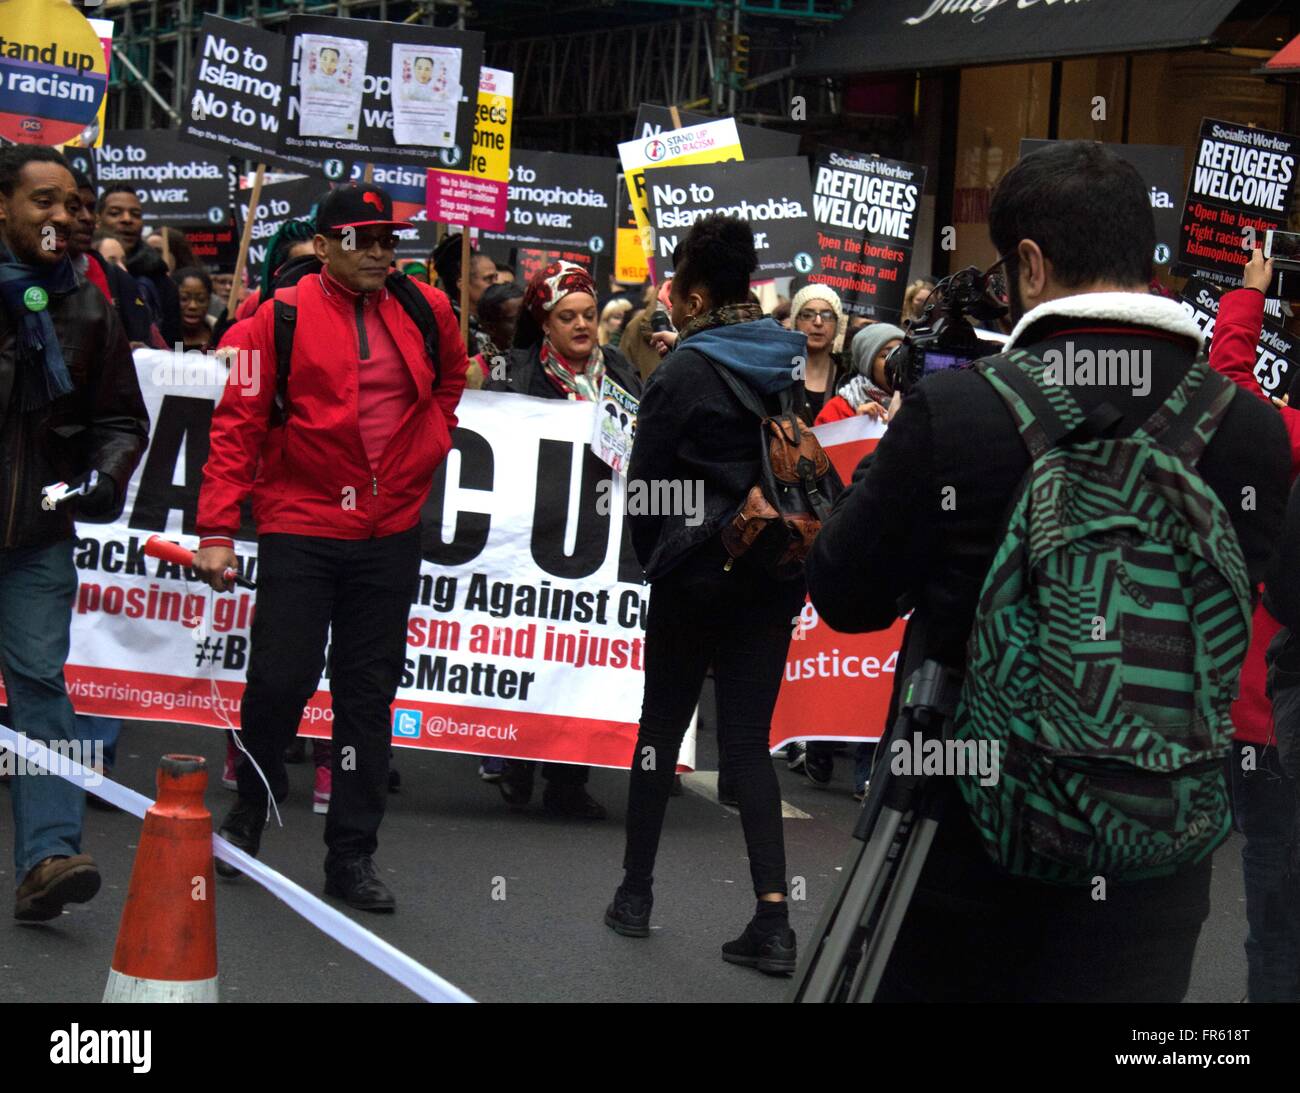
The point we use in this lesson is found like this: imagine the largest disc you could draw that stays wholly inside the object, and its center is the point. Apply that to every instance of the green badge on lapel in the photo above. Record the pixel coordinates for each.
(36, 298)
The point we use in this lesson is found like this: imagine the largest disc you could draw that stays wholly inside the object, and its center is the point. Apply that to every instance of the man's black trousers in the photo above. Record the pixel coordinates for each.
(362, 589)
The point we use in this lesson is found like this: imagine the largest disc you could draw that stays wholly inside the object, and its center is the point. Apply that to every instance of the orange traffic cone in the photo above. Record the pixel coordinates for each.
(167, 942)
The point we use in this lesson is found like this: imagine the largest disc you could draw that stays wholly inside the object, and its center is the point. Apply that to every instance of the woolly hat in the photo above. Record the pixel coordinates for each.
(821, 292)
(869, 341)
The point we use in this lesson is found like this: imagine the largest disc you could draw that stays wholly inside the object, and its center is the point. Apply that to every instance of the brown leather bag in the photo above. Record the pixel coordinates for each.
(781, 515)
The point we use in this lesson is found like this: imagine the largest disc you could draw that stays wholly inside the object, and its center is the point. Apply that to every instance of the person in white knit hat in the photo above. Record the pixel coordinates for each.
(816, 313)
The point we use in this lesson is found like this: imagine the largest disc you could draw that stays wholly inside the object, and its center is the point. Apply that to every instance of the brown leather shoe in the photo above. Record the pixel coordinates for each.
(54, 882)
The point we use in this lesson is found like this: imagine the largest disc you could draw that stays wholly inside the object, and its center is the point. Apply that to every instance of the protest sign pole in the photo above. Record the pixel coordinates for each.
(369, 176)
(675, 114)
(464, 286)
(245, 238)
(166, 247)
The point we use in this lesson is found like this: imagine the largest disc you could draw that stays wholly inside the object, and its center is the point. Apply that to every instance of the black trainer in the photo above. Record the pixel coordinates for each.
(357, 883)
(572, 803)
(819, 763)
(629, 914)
(771, 952)
(516, 784)
(242, 828)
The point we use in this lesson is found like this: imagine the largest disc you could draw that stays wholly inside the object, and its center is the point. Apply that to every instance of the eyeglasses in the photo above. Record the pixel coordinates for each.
(996, 278)
(364, 240)
(807, 315)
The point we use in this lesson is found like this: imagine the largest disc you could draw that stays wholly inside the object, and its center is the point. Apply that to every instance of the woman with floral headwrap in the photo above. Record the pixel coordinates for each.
(557, 355)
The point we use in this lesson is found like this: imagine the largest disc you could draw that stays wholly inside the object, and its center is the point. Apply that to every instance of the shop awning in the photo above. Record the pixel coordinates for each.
(902, 35)
(1285, 62)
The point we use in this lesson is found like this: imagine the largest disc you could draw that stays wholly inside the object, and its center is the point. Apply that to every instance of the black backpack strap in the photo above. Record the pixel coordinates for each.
(286, 318)
(747, 396)
(418, 308)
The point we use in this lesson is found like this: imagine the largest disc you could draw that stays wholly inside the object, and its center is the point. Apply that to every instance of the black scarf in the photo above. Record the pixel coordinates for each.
(21, 285)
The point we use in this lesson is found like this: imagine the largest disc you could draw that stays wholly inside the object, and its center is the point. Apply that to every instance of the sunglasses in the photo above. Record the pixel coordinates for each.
(364, 240)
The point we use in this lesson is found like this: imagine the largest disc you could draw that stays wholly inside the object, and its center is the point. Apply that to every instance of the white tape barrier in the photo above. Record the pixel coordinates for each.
(336, 925)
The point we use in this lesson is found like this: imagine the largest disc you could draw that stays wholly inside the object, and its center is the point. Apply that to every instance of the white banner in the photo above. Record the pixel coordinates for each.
(527, 635)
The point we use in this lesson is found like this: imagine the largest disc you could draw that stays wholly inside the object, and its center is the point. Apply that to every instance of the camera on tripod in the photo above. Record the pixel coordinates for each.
(944, 336)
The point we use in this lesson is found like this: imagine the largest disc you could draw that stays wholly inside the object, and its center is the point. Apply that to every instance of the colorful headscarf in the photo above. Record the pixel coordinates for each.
(550, 285)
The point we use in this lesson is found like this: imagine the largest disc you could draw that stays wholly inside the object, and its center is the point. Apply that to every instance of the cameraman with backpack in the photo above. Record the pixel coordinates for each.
(338, 451)
(1150, 637)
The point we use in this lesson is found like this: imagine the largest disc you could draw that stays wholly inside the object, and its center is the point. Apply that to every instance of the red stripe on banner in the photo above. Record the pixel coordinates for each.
(836, 686)
(472, 730)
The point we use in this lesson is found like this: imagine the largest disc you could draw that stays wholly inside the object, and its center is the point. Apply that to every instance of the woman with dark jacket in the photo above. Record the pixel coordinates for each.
(706, 608)
(557, 356)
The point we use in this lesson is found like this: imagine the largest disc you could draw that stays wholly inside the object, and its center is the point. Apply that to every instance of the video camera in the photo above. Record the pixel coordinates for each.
(944, 337)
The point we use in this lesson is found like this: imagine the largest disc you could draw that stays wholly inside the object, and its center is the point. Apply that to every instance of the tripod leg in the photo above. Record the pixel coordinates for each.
(899, 898)
(861, 894)
(923, 824)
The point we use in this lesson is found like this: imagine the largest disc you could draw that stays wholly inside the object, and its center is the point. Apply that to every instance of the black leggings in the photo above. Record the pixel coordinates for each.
(740, 623)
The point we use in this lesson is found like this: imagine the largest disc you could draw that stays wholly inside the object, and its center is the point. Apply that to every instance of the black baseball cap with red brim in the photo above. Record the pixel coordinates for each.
(356, 205)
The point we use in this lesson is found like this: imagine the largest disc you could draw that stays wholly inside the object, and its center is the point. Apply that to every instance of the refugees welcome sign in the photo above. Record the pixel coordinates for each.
(866, 209)
(1241, 186)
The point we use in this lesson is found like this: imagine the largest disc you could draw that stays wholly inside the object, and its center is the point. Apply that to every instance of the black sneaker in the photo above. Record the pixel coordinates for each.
(819, 765)
(357, 883)
(516, 785)
(242, 828)
(772, 952)
(629, 914)
(572, 803)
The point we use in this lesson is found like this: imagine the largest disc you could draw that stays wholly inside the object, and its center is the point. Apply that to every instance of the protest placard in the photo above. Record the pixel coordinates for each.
(476, 197)
(558, 200)
(630, 266)
(866, 208)
(278, 202)
(774, 195)
(367, 89)
(712, 142)
(236, 94)
(755, 141)
(177, 182)
(1277, 354)
(53, 72)
(1241, 186)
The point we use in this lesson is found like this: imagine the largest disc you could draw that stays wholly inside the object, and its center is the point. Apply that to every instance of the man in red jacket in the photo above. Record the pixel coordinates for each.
(1263, 797)
(337, 486)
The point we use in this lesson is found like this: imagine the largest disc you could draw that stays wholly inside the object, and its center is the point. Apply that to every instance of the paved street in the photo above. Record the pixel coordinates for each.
(446, 837)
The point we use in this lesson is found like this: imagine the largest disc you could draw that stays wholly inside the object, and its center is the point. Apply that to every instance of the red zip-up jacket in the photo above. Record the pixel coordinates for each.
(311, 476)
(1232, 354)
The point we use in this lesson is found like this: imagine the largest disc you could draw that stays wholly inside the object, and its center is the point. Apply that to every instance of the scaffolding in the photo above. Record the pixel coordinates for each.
(581, 69)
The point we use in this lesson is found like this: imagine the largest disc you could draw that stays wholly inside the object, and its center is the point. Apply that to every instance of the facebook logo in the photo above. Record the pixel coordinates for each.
(407, 723)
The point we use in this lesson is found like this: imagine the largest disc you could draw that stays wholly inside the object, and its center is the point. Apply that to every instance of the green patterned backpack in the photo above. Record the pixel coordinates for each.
(1107, 641)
